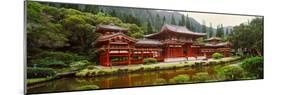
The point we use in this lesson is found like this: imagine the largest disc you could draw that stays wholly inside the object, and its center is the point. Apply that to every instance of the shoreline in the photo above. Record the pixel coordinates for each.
(104, 71)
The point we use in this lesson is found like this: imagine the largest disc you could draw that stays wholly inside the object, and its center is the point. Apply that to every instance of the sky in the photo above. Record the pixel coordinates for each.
(217, 19)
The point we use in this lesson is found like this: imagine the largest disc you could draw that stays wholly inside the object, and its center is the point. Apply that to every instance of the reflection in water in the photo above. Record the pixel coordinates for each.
(120, 80)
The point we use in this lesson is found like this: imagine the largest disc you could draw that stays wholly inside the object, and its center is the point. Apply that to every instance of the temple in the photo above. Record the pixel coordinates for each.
(172, 43)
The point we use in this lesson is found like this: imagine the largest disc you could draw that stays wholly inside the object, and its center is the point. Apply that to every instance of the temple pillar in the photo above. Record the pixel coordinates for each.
(129, 60)
(107, 61)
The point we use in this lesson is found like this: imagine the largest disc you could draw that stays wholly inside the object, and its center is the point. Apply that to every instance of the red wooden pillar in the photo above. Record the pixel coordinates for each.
(107, 62)
(133, 60)
(189, 51)
(107, 54)
(129, 61)
(142, 55)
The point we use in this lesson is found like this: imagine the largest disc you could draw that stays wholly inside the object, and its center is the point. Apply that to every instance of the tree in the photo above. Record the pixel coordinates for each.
(80, 30)
(204, 28)
(164, 21)
(113, 13)
(149, 28)
(158, 22)
(232, 72)
(210, 31)
(248, 37)
(173, 21)
(253, 65)
(182, 22)
(187, 22)
(44, 32)
(220, 32)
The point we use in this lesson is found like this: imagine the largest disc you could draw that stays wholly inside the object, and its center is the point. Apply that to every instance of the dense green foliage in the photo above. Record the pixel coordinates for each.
(201, 77)
(51, 63)
(79, 64)
(57, 37)
(149, 61)
(232, 72)
(220, 31)
(217, 55)
(248, 37)
(254, 66)
(40, 72)
(179, 79)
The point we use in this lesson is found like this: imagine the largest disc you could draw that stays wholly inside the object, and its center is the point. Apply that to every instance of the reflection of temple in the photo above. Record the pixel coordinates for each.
(172, 42)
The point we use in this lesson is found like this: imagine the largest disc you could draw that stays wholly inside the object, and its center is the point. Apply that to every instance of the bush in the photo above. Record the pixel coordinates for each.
(79, 64)
(40, 72)
(232, 72)
(149, 61)
(217, 55)
(254, 66)
(88, 87)
(50, 63)
(180, 79)
(201, 77)
(62, 56)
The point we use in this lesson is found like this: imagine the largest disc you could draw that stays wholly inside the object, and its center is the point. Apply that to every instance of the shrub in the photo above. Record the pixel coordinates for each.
(201, 77)
(91, 67)
(149, 61)
(62, 56)
(180, 79)
(232, 72)
(88, 87)
(50, 63)
(217, 55)
(254, 66)
(79, 64)
(160, 81)
(40, 72)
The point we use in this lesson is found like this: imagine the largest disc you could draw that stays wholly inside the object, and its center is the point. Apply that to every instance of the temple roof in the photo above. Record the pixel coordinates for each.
(214, 38)
(217, 45)
(107, 37)
(148, 42)
(177, 29)
(110, 28)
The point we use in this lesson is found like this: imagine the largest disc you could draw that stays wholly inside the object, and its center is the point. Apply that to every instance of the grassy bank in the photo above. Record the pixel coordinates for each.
(38, 80)
(99, 71)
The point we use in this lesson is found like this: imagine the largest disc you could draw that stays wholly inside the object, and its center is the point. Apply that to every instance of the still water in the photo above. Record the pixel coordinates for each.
(119, 80)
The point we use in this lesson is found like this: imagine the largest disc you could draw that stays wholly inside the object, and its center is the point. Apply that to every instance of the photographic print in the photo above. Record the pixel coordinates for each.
(78, 47)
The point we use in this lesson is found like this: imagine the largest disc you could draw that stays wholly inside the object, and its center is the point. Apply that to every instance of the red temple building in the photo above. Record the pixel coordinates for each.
(215, 44)
(172, 42)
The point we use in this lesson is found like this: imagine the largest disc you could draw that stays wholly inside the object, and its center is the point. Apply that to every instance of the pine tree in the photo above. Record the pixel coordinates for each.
(149, 28)
(219, 32)
(164, 21)
(173, 21)
(182, 22)
(113, 13)
(204, 27)
(158, 22)
(187, 22)
(210, 32)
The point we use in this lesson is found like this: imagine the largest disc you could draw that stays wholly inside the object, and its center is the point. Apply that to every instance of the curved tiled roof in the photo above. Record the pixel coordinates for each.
(177, 29)
(106, 37)
(217, 45)
(148, 42)
(214, 38)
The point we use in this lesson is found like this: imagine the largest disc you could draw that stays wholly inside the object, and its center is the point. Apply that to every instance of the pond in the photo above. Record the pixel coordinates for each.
(120, 80)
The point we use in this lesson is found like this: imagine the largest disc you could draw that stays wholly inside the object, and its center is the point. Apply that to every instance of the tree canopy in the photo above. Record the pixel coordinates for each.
(248, 37)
